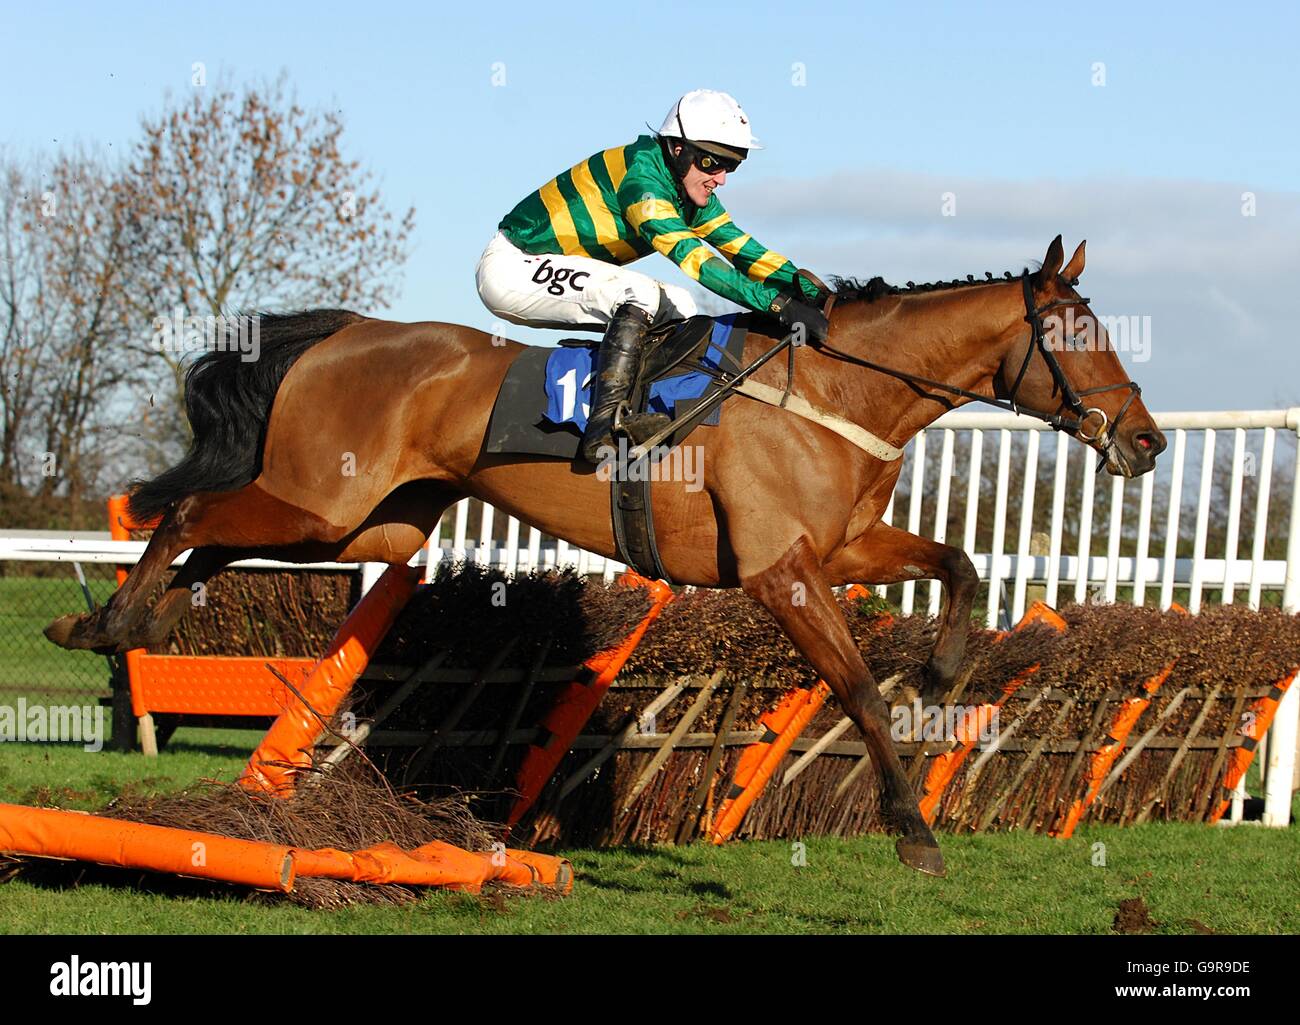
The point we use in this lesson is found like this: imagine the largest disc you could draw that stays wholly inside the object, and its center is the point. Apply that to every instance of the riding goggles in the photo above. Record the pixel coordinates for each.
(711, 163)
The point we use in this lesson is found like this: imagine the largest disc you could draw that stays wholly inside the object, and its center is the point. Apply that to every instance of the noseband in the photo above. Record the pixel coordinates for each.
(1076, 422)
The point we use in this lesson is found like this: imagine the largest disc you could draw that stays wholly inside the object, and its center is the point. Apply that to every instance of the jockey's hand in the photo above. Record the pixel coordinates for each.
(814, 289)
(807, 323)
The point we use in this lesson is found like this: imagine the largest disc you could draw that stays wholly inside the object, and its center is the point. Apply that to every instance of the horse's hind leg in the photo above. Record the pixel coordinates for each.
(105, 629)
(225, 526)
(795, 590)
(179, 597)
(246, 518)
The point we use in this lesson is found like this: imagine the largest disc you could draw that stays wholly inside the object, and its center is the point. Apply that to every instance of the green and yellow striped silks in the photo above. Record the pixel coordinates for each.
(623, 203)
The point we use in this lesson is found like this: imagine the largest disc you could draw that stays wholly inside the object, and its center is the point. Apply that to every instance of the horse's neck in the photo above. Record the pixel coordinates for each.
(956, 338)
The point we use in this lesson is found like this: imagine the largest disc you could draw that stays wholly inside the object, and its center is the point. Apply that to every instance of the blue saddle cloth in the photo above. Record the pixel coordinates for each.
(568, 381)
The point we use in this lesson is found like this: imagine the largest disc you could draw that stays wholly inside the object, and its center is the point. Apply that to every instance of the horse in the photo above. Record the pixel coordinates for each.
(349, 436)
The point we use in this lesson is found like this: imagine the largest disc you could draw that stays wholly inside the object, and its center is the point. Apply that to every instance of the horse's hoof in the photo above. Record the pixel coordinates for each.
(921, 857)
(80, 633)
(60, 631)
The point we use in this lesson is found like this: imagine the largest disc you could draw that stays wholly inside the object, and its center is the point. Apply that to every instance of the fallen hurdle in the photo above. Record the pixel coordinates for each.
(69, 835)
(289, 747)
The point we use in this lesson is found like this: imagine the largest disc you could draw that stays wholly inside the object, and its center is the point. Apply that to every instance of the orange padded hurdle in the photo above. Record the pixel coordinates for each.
(54, 833)
(210, 685)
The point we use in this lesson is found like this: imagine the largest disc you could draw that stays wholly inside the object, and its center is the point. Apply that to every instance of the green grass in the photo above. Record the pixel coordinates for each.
(1243, 880)
(65, 776)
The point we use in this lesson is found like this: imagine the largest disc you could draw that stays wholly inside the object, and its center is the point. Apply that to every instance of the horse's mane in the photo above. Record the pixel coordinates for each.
(850, 289)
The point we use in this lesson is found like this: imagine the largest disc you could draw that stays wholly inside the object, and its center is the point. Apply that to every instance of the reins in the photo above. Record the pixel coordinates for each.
(1104, 436)
(1073, 423)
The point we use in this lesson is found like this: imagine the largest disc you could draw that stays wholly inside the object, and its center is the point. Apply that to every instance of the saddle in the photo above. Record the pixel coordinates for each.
(667, 347)
(519, 424)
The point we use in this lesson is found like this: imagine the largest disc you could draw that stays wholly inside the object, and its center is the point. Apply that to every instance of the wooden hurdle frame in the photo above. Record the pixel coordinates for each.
(229, 685)
(236, 685)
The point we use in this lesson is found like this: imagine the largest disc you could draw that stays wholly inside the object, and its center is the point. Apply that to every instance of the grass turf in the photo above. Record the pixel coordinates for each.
(1192, 877)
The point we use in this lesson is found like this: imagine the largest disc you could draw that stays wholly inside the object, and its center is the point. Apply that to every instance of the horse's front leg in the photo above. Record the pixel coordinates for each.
(795, 590)
(888, 555)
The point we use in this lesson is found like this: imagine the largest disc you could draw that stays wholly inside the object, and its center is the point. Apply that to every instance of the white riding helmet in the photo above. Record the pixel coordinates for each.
(706, 116)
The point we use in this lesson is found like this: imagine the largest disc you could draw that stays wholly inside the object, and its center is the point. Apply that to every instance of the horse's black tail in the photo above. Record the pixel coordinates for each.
(228, 396)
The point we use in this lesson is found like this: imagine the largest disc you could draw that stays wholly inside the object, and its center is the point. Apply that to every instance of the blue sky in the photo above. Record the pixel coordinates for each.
(902, 102)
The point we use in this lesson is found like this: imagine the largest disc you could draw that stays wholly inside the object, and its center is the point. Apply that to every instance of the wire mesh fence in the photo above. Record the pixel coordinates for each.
(31, 595)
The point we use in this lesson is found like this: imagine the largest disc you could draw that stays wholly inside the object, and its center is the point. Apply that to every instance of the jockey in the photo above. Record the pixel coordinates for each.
(557, 259)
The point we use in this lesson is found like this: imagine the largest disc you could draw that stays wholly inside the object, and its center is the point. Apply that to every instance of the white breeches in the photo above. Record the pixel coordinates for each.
(566, 291)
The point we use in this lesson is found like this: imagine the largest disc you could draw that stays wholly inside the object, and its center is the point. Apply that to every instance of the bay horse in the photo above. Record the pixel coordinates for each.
(348, 438)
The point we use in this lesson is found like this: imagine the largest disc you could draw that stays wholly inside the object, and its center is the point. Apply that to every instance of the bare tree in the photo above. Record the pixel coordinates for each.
(245, 201)
(228, 203)
(62, 352)
(23, 337)
(86, 251)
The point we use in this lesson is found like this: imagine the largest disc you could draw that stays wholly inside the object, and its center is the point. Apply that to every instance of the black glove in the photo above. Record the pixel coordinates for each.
(807, 280)
(795, 314)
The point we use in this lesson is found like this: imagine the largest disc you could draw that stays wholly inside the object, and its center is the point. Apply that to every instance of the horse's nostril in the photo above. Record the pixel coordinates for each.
(1151, 442)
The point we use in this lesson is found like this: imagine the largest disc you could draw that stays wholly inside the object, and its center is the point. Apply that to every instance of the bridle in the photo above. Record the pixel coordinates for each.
(1074, 423)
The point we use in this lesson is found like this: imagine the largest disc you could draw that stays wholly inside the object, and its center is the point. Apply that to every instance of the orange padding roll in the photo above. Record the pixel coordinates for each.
(945, 766)
(574, 705)
(781, 728)
(436, 864)
(289, 742)
(1130, 711)
(1041, 612)
(50, 833)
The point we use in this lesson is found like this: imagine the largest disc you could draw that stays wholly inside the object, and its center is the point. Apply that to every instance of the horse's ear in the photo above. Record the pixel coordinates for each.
(1051, 262)
(1074, 269)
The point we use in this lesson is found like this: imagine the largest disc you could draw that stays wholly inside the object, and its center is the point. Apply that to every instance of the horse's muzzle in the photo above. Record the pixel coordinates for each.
(1134, 454)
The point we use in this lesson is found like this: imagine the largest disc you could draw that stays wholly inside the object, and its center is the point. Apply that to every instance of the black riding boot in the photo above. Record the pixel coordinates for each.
(617, 366)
